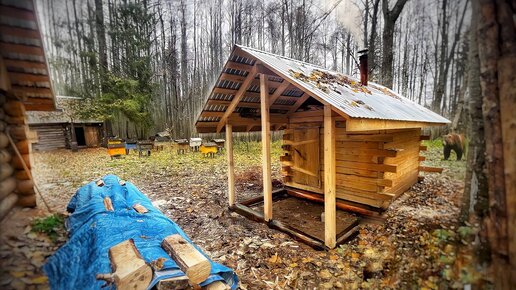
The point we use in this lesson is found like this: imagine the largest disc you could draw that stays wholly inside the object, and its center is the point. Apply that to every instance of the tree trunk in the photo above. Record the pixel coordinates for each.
(497, 53)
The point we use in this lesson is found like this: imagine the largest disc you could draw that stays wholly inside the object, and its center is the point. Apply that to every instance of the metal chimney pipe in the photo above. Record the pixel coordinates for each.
(364, 70)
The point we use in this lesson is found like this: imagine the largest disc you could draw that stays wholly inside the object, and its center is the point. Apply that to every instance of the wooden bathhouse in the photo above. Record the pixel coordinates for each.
(345, 141)
(24, 86)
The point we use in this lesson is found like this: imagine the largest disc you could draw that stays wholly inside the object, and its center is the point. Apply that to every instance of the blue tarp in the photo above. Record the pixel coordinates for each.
(93, 230)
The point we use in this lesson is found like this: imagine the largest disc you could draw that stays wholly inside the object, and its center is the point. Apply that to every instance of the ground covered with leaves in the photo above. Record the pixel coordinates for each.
(420, 244)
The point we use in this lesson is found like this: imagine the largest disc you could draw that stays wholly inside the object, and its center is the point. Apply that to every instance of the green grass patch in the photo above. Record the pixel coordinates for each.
(50, 225)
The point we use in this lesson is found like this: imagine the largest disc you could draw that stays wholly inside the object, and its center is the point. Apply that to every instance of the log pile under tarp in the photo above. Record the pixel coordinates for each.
(117, 237)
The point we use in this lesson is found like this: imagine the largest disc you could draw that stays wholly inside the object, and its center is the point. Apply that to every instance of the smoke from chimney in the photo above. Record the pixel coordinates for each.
(364, 69)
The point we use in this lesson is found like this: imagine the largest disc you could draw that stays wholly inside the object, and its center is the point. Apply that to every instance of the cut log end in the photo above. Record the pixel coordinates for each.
(194, 264)
(140, 208)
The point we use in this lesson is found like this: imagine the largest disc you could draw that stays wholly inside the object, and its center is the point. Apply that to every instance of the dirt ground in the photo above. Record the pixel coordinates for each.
(418, 246)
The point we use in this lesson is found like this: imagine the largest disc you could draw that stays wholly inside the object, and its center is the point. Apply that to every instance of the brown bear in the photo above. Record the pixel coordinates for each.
(453, 142)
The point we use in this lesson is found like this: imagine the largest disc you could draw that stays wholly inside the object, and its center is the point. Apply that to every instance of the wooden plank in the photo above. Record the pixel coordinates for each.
(368, 166)
(231, 164)
(330, 222)
(108, 204)
(194, 264)
(371, 152)
(298, 103)
(363, 124)
(236, 99)
(129, 269)
(430, 169)
(140, 208)
(266, 148)
(365, 180)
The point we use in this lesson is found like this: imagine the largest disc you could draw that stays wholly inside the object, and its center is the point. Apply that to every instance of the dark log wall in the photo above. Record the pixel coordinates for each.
(16, 187)
(50, 137)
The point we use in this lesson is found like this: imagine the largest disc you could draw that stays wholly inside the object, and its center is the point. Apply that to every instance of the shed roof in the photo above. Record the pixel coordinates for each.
(343, 92)
(65, 110)
(23, 56)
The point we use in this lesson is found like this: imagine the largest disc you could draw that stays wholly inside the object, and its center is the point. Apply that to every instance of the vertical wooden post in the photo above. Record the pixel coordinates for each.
(329, 179)
(231, 164)
(266, 147)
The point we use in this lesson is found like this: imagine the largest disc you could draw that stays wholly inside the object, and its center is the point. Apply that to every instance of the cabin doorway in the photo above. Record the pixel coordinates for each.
(79, 136)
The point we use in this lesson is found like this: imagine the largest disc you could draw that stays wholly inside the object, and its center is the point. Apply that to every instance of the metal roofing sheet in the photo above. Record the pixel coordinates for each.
(373, 101)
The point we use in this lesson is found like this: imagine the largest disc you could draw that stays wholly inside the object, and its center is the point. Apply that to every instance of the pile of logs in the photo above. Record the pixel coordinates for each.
(16, 186)
(131, 272)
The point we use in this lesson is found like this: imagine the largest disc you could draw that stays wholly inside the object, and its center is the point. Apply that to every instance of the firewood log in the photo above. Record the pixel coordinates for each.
(7, 204)
(194, 264)
(25, 187)
(176, 283)
(7, 186)
(130, 270)
(14, 108)
(6, 170)
(217, 285)
(27, 201)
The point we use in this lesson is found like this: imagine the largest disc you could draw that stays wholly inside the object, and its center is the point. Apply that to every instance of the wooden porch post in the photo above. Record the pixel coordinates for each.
(231, 164)
(266, 147)
(329, 179)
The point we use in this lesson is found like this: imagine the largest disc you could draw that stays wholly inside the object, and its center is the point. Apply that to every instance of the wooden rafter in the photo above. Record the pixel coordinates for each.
(238, 96)
(279, 91)
(247, 105)
(298, 103)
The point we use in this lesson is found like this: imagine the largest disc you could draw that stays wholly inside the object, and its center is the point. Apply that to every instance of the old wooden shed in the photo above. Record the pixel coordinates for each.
(58, 129)
(347, 140)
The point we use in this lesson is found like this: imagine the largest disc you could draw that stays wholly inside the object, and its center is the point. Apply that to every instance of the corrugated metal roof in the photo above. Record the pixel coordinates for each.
(345, 93)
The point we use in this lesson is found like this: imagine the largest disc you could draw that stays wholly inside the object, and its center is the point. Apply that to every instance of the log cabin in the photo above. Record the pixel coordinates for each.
(345, 140)
(24, 86)
(60, 128)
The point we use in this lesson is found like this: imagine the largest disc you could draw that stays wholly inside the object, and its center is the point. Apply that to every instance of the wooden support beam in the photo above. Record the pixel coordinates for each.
(299, 102)
(266, 148)
(194, 264)
(238, 66)
(330, 222)
(236, 99)
(231, 164)
(277, 93)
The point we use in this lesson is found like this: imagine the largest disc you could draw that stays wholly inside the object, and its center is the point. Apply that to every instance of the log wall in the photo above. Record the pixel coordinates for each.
(372, 167)
(15, 184)
(50, 137)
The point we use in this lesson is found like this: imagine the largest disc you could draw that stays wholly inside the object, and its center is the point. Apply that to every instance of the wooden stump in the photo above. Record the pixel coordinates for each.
(7, 186)
(6, 204)
(130, 270)
(194, 264)
(27, 201)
